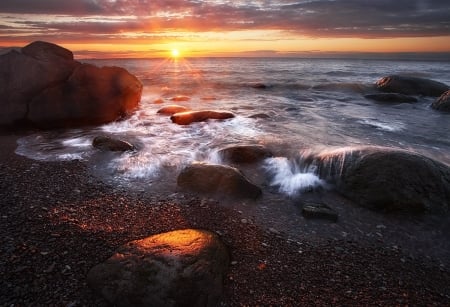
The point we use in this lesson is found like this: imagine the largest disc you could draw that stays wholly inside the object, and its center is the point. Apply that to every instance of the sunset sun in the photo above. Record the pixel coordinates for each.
(175, 53)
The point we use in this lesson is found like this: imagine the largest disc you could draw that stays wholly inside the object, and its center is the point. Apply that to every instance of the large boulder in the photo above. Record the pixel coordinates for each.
(44, 86)
(443, 102)
(391, 98)
(245, 153)
(411, 86)
(218, 180)
(186, 118)
(178, 268)
(387, 179)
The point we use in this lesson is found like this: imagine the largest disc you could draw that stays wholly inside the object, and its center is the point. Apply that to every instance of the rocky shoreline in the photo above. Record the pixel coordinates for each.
(58, 221)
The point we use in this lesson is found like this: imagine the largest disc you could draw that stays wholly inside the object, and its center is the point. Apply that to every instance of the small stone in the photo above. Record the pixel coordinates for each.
(244, 221)
(319, 211)
(273, 230)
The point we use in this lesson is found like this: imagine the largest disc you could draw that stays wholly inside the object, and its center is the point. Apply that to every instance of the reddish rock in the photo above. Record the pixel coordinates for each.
(177, 268)
(181, 98)
(443, 102)
(172, 109)
(186, 118)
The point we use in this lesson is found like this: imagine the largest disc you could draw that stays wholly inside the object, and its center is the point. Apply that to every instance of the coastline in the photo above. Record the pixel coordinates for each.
(58, 221)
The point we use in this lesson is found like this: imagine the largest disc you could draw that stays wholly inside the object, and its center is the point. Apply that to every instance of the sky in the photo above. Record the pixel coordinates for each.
(152, 28)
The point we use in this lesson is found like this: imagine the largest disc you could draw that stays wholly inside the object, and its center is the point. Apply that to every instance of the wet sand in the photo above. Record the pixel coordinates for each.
(58, 221)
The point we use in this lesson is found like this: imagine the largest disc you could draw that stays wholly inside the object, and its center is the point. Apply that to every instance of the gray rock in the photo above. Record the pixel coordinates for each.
(217, 179)
(443, 102)
(411, 86)
(111, 144)
(319, 211)
(178, 268)
(387, 179)
(391, 98)
(245, 153)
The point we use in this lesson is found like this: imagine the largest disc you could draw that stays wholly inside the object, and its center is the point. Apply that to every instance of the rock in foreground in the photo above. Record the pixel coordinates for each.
(245, 153)
(411, 86)
(217, 179)
(107, 143)
(178, 268)
(391, 98)
(443, 102)
(186, 118)
(44, 86)
(388, 179)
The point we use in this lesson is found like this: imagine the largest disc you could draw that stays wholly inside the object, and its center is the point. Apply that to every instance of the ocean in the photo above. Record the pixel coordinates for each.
(305, 105)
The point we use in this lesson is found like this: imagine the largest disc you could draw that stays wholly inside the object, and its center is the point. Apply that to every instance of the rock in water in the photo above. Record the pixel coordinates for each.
(172, 109)
(443, 102)
(411, 86)
(245, 153)
(43, 85)
(217, 179)
(388, 179)
(111, 144)
(186, 118)
(391, 98)
(319, 211)
(178, 268)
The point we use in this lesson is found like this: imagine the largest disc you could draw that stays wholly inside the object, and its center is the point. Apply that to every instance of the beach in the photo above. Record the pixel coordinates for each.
(58, 221)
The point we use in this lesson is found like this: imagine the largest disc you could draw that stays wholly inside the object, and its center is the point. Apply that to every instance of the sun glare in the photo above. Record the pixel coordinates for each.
(175, 53)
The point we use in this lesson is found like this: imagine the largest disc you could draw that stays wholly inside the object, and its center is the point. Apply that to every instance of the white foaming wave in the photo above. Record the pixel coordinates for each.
(289, 178)
(391, 127)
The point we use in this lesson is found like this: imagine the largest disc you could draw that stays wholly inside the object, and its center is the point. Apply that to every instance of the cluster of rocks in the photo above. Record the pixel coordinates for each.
(42, 85)
(405, 89)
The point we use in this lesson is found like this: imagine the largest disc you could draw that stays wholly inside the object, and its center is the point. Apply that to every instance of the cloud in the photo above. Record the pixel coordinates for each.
(313, 18)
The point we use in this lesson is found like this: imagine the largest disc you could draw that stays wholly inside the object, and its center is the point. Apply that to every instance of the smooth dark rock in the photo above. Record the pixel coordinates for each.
(186, 118)
(110, 144)
(411, 86)
(260, 115)
(259, 86)
(443, 102)
(90, 96)
(178, 268)
(217, 180)
(42, 85)
(319, 211)
(391, 98)
(172, 109)
(387, 179)
(245, 153)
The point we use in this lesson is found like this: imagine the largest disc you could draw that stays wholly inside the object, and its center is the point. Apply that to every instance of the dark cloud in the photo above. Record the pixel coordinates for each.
(323, 18)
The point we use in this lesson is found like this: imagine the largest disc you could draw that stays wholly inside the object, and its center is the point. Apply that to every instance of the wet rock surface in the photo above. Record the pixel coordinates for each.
(189, 117)
(107, 143)
(408, 85)
(245, 153)
(319, 211)
(217, 180)
(391, 98)
(443, 102)
(172, 109)
(178, 268)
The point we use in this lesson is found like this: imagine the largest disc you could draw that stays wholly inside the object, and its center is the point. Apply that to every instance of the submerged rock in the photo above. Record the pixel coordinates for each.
(245, 153)
(111, 144)
(172, 109)
(443, 102)
(260, 116)
(44, 86)
(388, 179)
(218, 180)
(391, 98)
(186, 118)
(411, 85)
(180, 98)
(178, 268)
(319, 211)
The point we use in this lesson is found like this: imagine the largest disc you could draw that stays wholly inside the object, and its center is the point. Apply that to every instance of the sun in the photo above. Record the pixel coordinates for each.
(175, 53)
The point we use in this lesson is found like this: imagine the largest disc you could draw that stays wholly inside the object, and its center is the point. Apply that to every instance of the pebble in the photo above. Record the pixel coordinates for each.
(244, 221)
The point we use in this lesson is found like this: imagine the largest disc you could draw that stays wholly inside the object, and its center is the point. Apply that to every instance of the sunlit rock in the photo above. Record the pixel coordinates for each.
(245, 153)
(411, 85)
(172, 109)
(387, 179)
(180, 98)
(391, 98)
(178, 268)
(443, 102)
(107, 143)
(90, 96)
(42, 85)
(186, 118)
(158, 101)
(217, 180)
